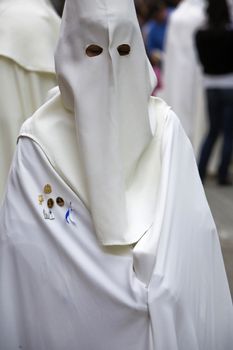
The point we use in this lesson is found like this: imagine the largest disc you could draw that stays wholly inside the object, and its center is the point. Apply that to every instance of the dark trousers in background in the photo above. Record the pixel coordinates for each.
(220, 111)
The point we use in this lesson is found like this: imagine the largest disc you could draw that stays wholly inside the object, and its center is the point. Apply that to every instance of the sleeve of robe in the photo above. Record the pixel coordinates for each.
(21, 93)
(59, 287)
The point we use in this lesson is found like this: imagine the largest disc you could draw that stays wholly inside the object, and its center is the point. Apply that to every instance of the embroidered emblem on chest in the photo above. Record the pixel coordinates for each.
(52, 206)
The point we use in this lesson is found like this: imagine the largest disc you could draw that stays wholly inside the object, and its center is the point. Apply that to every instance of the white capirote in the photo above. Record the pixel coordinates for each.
(113, 131)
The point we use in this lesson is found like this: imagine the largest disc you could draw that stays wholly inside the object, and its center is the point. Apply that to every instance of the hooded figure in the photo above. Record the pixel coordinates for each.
(107, 241)
(28, 35)
(181, 61)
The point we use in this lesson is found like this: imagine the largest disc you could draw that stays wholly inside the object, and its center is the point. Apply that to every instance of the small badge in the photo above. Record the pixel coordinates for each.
(40, 199)
(60, 201)
(69, 215)
(47, 189)
(48, 215)
(50, 203)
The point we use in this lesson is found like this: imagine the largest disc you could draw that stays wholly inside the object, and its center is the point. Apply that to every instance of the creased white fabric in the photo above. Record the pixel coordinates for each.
(189, 298)
(60, 288)
(28, 33)
(53, 120)
(109, 94)
(21, 93)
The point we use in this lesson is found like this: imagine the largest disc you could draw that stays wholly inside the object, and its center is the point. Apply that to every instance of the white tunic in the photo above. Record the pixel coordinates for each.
(61, 289)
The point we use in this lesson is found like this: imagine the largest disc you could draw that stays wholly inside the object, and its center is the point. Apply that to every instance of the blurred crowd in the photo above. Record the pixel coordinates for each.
(189, 44)
(153, 16)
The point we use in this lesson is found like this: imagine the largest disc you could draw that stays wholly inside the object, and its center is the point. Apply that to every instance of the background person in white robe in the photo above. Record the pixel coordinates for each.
(183, 88)
(28, 35)
(106, 238)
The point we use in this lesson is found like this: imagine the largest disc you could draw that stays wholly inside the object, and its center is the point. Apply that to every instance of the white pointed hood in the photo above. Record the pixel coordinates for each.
(109, 95)
(28, 33)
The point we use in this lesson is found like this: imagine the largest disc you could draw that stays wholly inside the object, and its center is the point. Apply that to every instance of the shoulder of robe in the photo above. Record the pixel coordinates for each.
(158, 112)
(52, 122)
(158, 104)
(162, 113)
(49, 117)
(53, 128)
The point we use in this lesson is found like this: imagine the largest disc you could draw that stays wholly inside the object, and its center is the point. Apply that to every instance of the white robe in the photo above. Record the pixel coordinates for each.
(61, 289)
(183, 80)
(21, 93)
(28, 34)
(183, 88)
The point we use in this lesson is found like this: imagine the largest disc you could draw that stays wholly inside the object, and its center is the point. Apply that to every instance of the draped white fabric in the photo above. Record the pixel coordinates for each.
(60, 289)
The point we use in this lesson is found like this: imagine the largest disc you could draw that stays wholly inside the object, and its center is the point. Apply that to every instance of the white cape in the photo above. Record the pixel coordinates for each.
(60, 289)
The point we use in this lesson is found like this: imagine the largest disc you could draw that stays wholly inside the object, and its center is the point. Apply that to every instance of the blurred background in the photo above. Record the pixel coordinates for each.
(190, 46)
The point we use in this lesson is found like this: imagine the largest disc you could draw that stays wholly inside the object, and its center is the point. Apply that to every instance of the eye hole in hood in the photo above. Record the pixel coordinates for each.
(94, 50)
(124, 49)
